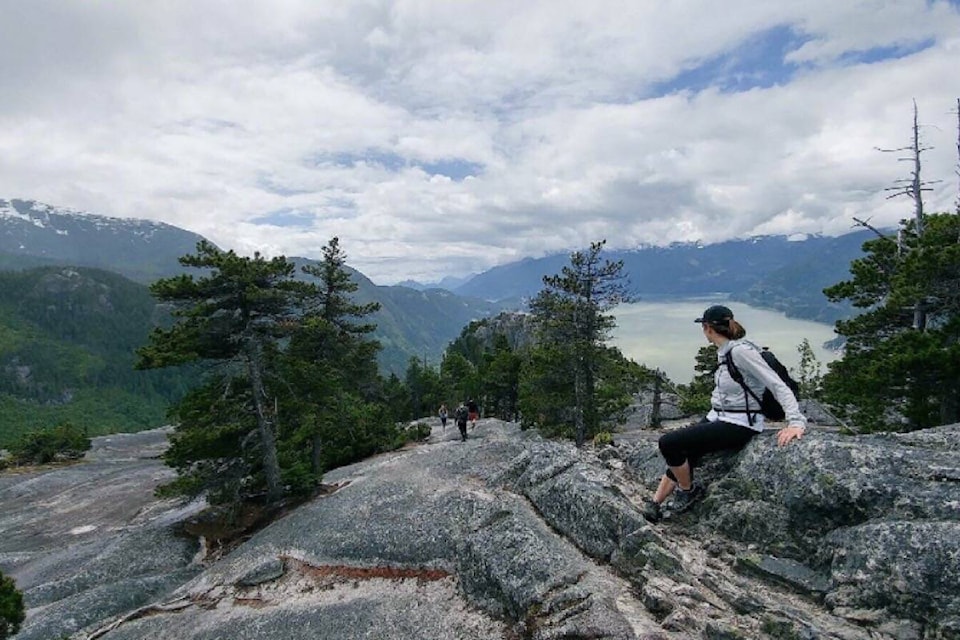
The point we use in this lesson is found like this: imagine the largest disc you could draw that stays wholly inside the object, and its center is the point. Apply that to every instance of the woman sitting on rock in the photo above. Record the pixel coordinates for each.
(734, 418)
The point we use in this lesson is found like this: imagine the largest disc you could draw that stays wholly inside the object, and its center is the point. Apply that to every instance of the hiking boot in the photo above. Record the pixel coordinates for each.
(651, 512)
(683, 500)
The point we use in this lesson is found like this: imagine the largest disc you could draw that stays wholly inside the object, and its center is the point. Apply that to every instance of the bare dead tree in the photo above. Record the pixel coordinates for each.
(957, 171)
(866, 225)
(913, 187)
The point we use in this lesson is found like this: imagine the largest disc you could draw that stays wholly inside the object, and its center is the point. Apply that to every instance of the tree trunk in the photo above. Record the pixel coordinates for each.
(316, 455)
(919, 313)
(657, 400)
(578, 392)
(268, 438)
(958, 156)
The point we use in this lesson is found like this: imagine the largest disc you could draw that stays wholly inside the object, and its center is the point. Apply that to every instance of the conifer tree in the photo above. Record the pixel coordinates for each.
(335, 303)
(231, 317)
(459, 378)
(809, 376)
(337, 362)
(901, 366)
(695, 397)
(11, 608)
(895, 374)
(501, 377)
(425, 388)
(573, 324)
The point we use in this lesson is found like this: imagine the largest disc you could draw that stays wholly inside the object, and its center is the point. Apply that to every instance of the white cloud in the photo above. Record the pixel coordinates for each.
(214, 115)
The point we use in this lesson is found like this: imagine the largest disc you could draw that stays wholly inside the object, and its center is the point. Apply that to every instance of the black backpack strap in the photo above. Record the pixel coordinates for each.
(747, 391)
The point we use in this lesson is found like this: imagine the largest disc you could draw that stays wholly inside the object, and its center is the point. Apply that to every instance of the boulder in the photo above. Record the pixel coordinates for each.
(869, 524)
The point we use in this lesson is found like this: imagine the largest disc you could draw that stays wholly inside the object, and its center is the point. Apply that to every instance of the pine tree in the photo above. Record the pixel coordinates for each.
(895, 374)
(500, 379)
(426, 391)
(337, 362)
(231, 317)
(335, 304)
(809, 376)
(459, 378)
(11, 607)
(901, 366)
(695, 397)
(573, 324)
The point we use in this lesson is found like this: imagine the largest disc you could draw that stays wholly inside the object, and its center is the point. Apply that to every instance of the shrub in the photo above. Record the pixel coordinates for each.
(64, 441)
(421, 431)
(11, 607)
(602, 439)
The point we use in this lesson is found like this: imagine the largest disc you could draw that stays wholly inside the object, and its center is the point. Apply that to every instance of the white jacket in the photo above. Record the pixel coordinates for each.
(729, 399)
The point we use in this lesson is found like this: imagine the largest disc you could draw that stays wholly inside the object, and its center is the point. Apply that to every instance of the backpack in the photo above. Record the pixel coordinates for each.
(769, 406)
(461, 414)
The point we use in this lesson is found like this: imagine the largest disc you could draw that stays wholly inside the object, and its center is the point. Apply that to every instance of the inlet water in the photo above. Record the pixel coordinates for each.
(662, 334)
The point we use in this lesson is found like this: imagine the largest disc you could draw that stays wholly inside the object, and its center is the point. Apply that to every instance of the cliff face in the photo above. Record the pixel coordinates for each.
(510, 536)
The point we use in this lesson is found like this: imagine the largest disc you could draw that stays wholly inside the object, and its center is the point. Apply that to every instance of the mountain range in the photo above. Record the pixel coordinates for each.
(777, 272)
(410, 323)
(419, 320)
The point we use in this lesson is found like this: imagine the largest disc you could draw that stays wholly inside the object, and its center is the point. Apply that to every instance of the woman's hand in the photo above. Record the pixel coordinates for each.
(787, 434)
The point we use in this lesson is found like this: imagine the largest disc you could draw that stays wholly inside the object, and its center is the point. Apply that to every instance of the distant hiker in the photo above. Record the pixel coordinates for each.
(474, 412)
(461, 416)
(443, 415)
(735, 416)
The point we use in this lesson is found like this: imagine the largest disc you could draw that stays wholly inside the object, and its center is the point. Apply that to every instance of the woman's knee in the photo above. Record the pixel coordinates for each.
(672, 450)
(667, 440)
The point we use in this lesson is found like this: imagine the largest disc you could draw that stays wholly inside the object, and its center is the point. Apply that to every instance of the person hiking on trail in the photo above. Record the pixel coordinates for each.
(474, 411)
(734, 418)
(461, 416)
(443, 415)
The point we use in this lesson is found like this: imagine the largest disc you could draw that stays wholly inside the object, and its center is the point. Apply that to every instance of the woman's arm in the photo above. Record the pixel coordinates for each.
(751, 361)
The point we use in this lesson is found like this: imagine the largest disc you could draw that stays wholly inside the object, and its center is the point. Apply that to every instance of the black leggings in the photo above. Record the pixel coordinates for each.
(692, 442)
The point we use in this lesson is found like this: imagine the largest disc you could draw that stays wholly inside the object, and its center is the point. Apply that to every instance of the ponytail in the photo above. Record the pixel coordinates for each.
(736, 330)
(733, 331)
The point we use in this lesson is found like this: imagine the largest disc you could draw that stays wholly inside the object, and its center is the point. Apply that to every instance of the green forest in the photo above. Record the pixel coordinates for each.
(68, 338)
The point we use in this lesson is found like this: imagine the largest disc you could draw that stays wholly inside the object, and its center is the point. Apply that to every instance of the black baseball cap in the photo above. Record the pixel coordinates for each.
(716, 315)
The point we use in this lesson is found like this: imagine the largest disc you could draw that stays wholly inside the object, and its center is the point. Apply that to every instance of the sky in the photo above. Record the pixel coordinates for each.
(444, 137)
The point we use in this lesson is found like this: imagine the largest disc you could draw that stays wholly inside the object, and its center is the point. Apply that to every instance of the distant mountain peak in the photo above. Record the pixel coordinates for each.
(33, 232)
(448, 283)
(40, 215)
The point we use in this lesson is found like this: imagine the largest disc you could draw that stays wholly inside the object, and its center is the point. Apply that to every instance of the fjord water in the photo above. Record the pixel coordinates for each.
(662, 334)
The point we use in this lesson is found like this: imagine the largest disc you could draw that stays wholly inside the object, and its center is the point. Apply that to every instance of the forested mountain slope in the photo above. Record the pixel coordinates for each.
(68, 337)
(412, 323)
(67, 342)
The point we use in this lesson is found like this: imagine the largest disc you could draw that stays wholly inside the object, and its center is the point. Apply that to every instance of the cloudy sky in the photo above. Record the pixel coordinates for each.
(442, 137)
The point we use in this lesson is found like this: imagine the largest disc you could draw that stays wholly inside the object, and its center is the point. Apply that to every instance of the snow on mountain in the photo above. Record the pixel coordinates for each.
(33, 232)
